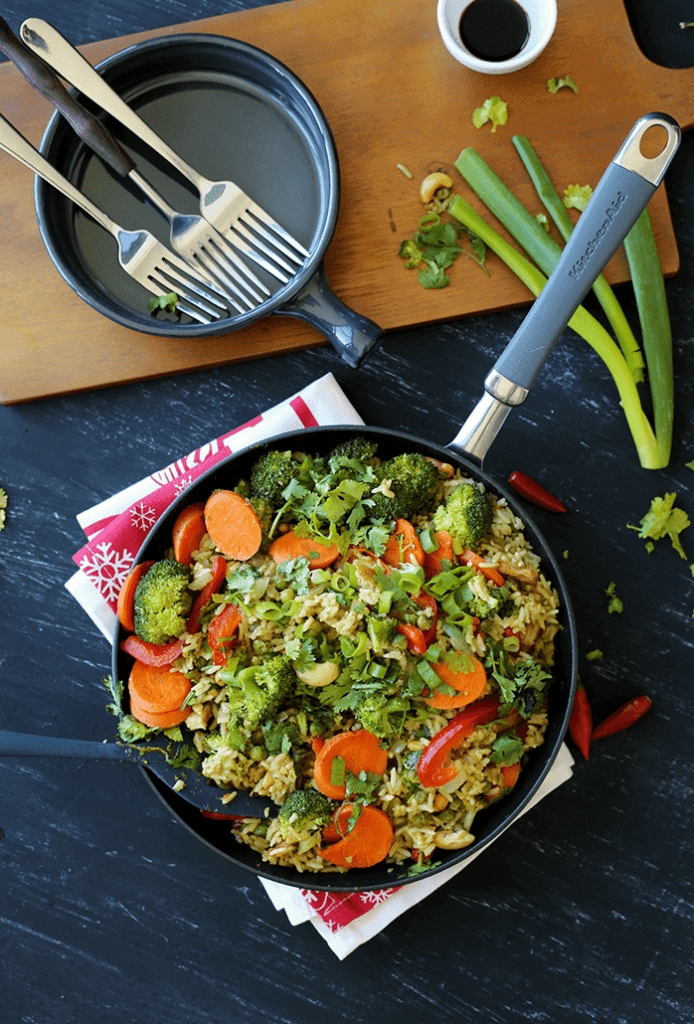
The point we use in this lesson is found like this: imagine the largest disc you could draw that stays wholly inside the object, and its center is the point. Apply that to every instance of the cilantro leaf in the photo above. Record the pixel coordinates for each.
(555, 84)
(116, 689)
(507, 749)
(167, 302)
(663, 520)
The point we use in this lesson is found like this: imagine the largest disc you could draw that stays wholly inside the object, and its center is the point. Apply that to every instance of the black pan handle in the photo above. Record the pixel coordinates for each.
(352, 335)
(196, 791)
(47, 83)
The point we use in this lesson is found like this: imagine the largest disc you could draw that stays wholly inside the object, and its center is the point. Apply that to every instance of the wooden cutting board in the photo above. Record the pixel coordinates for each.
(392, 95)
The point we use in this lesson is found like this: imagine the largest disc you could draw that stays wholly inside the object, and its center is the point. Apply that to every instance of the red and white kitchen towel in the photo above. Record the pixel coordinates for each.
(115, 530)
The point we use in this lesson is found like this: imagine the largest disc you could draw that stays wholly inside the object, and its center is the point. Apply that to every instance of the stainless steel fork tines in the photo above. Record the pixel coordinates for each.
(140, 254)
(249, 228)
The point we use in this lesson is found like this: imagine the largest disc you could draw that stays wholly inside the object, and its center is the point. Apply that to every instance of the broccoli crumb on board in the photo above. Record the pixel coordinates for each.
(3, 508)
(663, 520)
(614, 605)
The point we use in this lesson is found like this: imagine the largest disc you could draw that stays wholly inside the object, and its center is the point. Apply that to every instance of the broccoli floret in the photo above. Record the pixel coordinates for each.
(467, 516)
(358, 448)
(265, 513)
(305, 810)
(410, 252)
(162, 602)
(271, 474)
(412, 481)
(257, 692)
(381, 715)
(485, 609)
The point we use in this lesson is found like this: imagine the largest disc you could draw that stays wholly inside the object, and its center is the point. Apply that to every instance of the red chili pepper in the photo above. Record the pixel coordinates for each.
(431, 767)
(157, 655)
(532, 491)
(623, 717)
(217, 815)
(219, 571)
(415, 637)
(581, 721)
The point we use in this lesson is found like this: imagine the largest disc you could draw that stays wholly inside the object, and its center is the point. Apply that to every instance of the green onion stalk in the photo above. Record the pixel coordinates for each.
(582, 322)
(625, 362)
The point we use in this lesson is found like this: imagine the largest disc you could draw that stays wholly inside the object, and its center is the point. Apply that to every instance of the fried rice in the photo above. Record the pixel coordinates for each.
(277, 758)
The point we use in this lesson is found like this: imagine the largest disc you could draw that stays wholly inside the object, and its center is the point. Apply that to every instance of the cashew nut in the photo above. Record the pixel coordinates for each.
(320, 674)
(432, 183)
(440, 802)
(453, 840)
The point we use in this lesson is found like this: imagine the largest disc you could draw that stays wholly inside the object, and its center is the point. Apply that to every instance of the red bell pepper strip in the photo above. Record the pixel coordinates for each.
(468, 557)
(623, 717)
(157, 655)
(432, 769)
(416, 641)
(219, 571)
(581, 721)
(221, 635)
(425, 600)
(532, 491)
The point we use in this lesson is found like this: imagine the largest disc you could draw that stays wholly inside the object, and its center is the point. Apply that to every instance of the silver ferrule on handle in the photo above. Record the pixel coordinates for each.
(68, 62)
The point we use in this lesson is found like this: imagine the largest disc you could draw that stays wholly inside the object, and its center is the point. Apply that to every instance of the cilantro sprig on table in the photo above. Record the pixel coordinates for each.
(436, 246)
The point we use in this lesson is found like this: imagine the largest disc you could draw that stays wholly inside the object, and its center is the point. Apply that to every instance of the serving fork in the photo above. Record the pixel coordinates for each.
(254, 233)
(191, 236)
(140, 254)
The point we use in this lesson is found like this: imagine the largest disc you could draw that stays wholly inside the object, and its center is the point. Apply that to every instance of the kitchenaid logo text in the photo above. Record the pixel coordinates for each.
(610, 213)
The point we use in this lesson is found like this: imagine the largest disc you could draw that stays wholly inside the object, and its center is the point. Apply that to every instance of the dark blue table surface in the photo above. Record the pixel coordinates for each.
(113, 913)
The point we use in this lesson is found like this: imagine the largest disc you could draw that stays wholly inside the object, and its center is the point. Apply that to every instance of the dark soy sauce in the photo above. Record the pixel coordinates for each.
(494, 29)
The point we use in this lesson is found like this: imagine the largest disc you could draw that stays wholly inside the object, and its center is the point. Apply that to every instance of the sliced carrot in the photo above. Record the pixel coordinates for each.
(403, 545)
(468, 685)
(163, 720)
(367, 844)
(125, 608)
(152, 654)
(221, 635)
(233, 525)
(359, 750)
(433, 559)
(188, 532)
(468, 557)
(289, 546)
(157, 690)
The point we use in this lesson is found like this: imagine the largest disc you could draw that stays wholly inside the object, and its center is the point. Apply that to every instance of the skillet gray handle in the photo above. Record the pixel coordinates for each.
(619, 199)
(352, 335)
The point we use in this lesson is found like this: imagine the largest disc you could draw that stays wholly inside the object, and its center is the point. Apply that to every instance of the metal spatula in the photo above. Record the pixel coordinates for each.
(140, 254)
(252, 231)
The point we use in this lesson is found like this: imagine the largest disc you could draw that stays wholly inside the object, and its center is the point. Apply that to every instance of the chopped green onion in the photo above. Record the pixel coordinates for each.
(427, 539)
(385, 602)
(269, 610)
(649, 288)
(377, 671)
(427, 673)
(434, 654)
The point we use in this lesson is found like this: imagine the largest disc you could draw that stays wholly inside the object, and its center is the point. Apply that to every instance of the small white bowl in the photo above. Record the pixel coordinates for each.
(542, 16)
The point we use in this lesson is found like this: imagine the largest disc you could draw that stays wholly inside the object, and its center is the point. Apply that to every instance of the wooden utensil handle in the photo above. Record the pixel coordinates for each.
(83, 123)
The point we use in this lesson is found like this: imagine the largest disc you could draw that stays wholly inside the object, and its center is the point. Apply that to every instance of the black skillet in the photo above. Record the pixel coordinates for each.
(231, 111)
(619, 198)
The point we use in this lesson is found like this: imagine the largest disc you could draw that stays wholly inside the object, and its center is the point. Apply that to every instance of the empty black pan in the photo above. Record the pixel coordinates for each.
(232, 112)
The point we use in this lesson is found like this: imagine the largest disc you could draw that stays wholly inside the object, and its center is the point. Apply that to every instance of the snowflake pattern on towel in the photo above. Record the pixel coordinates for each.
(107, 568)
(143, 517)
(339, 909)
